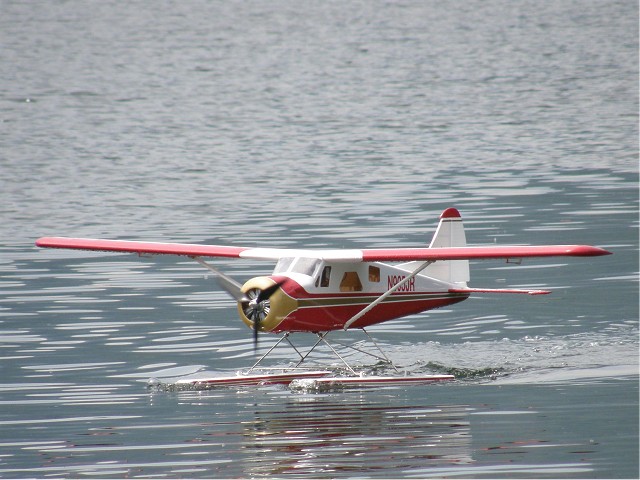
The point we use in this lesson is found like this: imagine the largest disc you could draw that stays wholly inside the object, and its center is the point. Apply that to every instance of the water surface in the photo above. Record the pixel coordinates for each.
(333, 126)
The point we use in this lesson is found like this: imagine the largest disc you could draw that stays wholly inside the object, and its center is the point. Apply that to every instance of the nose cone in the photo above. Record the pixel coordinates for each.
(272, 311)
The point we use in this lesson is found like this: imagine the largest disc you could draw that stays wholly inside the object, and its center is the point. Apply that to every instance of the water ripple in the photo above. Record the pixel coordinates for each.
(338, 125)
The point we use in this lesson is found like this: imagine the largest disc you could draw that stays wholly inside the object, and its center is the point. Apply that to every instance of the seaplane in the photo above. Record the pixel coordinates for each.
(319, 291)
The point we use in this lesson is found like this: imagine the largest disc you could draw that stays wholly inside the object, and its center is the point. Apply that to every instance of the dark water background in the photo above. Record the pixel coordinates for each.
(321, 124)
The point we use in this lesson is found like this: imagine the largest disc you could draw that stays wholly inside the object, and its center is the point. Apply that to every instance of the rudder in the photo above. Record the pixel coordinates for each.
(450, 233)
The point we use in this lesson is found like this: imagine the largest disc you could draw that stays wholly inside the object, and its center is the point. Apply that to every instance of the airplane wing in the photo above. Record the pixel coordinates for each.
(150, 248)
(481, 252)
(193, 250)
(336, 255)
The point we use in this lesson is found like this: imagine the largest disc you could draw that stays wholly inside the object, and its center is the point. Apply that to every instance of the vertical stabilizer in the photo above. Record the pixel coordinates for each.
(450, 233)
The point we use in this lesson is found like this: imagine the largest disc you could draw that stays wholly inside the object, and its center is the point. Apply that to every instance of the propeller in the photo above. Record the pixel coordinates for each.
(256, 306)
(255, 302)
(232, 287)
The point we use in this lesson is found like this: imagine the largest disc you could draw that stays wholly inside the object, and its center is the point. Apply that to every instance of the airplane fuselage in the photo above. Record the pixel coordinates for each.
(322, 296)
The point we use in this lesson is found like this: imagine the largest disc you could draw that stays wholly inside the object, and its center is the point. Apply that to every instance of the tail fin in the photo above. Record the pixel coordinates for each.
(450, 233)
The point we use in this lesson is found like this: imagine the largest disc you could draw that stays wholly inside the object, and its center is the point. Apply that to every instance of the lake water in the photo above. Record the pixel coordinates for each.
(318, 124)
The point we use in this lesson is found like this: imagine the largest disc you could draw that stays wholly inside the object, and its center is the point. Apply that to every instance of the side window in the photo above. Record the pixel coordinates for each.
(325, 278)
(350, 282)
(374, 274)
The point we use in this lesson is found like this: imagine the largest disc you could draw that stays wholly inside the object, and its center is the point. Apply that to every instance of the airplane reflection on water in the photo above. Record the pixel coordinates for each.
(310, 435)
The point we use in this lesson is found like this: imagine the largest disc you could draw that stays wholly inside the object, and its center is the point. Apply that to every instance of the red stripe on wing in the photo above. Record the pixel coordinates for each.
(153, 248)
(471, 253)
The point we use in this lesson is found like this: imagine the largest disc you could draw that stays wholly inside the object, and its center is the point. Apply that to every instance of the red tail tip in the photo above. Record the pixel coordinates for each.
(450, 213)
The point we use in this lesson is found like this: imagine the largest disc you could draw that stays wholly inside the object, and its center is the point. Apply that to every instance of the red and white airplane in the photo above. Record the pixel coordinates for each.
(322, 290)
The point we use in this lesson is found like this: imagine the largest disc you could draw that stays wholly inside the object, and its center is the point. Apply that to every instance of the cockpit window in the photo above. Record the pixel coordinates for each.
(283, 265)
(306, 266)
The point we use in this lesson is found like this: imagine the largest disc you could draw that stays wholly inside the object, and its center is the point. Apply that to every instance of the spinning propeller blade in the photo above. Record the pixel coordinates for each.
(255, 302)
(267, 292)
(256, 328)
(232, 287)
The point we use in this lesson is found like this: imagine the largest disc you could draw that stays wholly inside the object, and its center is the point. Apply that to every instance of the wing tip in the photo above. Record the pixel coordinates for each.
(46, 242)
(588, 251)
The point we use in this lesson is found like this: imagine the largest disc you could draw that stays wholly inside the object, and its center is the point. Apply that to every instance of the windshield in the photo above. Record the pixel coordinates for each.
(283, 265)
(306, 266)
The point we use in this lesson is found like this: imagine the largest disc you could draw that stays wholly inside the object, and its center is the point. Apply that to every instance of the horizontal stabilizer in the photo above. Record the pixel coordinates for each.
(498, 290)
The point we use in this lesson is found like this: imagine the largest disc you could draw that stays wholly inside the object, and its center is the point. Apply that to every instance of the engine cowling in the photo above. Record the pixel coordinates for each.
(269, 311)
